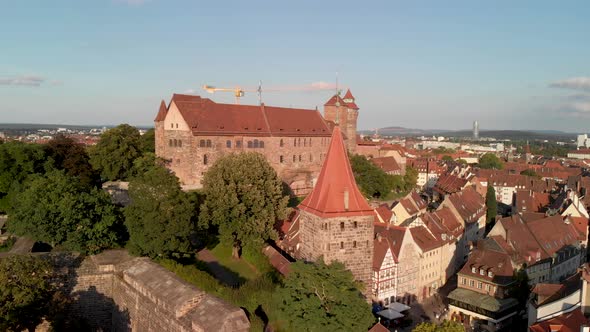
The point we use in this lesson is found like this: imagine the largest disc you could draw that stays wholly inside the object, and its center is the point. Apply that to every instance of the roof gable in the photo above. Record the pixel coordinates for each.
(161, 112)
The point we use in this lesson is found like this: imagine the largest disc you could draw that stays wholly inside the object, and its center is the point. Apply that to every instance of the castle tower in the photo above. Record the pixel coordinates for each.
(344, 113)
(159, 128)
(335, 220)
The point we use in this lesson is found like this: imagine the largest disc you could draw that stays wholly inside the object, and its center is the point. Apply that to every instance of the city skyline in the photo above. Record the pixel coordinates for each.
(112, 61)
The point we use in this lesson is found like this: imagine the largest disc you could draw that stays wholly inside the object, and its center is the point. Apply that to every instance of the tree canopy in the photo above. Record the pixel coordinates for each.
(446, 326)
(148, 141)
(491, 207)
(64, 153)
(244, 199)
(57, 209)
(114, 154)
(490, 161)
(372, 180)
(18, 161)
(320, 297)
(26, 292)
(160, 218)
(410, 178)
(530, 172)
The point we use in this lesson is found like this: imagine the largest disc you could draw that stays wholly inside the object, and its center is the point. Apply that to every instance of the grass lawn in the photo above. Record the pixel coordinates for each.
(242, 267)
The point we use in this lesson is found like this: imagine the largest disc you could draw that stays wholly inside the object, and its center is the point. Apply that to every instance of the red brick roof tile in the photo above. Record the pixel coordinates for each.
(569, 322)
(161, 112)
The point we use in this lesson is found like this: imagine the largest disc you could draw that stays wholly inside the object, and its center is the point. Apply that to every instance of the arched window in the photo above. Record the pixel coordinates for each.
(249, 144)
(299, 142)
(294, 158)
(202, 143)
(172, 125)
(262, 144)
(179, 143)
(205, 159)
(354, 244)
(208, 143)
(228, 144)
(239, 144)
(256, 144)
(294, 142)
(175, 143)
(310, 141)
(281, 159)
(299, 158)
(177, 126)
(170, 142)
(281, 143)
(341, 245)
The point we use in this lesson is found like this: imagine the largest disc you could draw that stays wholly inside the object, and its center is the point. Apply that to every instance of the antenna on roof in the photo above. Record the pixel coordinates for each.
(259, 92)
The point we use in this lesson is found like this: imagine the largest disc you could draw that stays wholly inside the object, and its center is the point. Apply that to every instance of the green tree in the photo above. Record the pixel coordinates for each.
(58, 210)
(490, 161)
(320, 297)
(244, 199)
(17, 161)
(114, 154)
(445, 326)
(410, 178)
(148, 141)
(26, 292)
(491, 207)
(372, 180)
(160, 216)
(397, 183)
(530, 172)
(520, 289)
(447, 158)
(64, 153)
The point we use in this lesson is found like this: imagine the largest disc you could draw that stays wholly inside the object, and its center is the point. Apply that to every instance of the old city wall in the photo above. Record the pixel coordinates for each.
(116, 292)
(353, 246)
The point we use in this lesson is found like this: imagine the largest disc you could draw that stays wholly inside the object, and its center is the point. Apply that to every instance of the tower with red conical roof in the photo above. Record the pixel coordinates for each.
(159, 128)
(343, 112)
(335, 220)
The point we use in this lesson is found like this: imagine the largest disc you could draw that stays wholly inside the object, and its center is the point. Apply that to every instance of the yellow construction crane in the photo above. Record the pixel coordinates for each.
(237, 91)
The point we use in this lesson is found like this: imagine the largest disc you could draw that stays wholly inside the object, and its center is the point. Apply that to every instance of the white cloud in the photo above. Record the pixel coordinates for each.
(574, 83)
(323, 86)
(23, 80)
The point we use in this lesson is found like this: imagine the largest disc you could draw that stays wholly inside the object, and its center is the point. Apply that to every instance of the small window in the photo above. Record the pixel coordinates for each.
(341, 245)
(471, 283)
(249, 144)
(177, 126)
(262, 144)
(310, 158)
(208, 143)
(170, 142)
(294, 142)
(172, 125)
(202, 143)
(255, 145)
(239, 144)
(342, 225)
(294, 158)
(281, 144)
(482, 272)
(179, 143)
(228, 144)
(299, 142)
(281, 159)
(299, 158)
(305, 142)
(479, 285)
(205, 159)
(310, 142)
(355, 224)
(175, 143)
(473, 270)
(354, 244)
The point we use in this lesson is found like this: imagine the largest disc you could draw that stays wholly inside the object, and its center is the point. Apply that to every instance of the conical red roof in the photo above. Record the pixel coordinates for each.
(162, 112)
(348, 95)
(335, 186)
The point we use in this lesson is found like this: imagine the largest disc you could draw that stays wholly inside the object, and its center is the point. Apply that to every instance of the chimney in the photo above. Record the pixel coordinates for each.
(346, 199)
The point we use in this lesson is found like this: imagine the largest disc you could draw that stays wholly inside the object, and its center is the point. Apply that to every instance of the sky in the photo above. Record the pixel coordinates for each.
(413, 64)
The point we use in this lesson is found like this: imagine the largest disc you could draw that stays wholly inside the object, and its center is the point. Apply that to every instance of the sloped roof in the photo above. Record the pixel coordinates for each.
(384, 212)
(387, 164)
(378, 328)
(206, 117)
(469, 204)
(336, 193)
(161, 112)
(335, 100)
(489, 258)
(395, 237)
(569, 322)
(424, 239)
(447, 184)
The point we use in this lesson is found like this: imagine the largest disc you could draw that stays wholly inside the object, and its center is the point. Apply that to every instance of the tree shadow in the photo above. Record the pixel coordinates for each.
(225, 275)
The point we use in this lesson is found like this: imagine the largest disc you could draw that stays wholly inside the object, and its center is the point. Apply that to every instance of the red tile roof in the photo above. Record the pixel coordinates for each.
(206, 117)
(336, 100)
(384, 212)
(424, 239)
(569, 322)
(488, 258)
(378, 328)
(161, 112)
(531, 201)
(469, 204)
(278, 261)
(336, 193)
(448, 184)
(581, 225)
(387, 164)
(394, 236)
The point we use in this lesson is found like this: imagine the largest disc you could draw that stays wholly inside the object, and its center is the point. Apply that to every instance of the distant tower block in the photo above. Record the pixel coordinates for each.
(475, 130)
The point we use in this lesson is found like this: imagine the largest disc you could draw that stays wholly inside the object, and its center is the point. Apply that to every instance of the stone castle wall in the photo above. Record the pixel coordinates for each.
(116, 292)
(353, 246)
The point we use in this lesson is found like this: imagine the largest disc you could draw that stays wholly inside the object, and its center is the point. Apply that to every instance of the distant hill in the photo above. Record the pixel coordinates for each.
(499, 134)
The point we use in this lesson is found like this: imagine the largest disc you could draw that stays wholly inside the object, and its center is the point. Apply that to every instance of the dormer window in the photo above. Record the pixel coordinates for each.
(473, 269)
(482, 272)
(490, 274)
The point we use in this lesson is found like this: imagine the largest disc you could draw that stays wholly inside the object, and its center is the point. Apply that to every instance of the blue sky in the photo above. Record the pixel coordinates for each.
(418, 64)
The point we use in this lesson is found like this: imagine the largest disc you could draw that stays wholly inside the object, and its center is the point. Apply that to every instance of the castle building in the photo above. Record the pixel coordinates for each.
(193, 132)
(335, 222)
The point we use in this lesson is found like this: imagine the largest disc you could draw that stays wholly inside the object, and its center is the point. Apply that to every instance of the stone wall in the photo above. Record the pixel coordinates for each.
(116, 292)
(351, 245)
